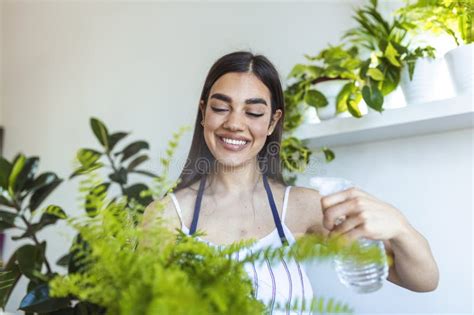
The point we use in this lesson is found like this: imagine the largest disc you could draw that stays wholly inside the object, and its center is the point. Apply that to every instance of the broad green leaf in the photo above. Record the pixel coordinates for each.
(375, 74)
(8, 279)
(115, 138)
(41, 181)
(88, 157)
(342, 96)
(27, 174)
(297, 71)
(315, 98)
(30, 258)
(83, 170)
(328, 154)
(134, 192)
(39, 301)
(42, 193)
(5, 169)
(353, 104)
(16, 169)
(100, 132)
(95, 199)
(133, 149)
(392, 79)
(55, 211)
(120, 176)
(373, 97)
(391, 54)
(7, 219)
(137, 161)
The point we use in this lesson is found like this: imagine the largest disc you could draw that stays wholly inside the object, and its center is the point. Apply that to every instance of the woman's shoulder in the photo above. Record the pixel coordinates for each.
(304, 210)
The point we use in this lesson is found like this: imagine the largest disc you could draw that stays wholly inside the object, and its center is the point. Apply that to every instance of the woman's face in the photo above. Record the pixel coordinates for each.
(237, 118)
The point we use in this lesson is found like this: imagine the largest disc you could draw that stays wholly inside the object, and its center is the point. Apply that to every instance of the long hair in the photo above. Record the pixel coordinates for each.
(200, 159)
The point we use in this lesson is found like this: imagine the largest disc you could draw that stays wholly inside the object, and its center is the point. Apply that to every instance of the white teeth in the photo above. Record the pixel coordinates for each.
(235, 142)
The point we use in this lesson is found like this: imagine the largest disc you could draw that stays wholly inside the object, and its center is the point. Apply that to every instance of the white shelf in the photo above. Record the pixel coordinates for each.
(412, 120)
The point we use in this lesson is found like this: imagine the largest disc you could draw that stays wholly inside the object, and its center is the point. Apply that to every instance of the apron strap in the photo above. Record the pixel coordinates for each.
(276, 217)
(197, 205)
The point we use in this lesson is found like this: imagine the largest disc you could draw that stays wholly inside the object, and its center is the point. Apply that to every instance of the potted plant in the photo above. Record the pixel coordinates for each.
(330, 83)
(388, 52)
(118, 266)
(455, 18)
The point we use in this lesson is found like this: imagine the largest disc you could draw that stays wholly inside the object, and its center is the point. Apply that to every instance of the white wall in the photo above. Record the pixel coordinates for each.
(140, 67)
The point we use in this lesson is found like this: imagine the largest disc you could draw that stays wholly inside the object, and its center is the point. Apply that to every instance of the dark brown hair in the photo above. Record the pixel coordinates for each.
(200, 159)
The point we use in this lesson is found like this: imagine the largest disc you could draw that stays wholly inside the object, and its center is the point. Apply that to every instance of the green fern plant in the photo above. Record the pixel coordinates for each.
(133, 270)
(118, 267)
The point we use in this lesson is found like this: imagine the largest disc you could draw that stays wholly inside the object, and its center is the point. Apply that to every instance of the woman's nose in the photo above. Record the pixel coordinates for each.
(234, 121)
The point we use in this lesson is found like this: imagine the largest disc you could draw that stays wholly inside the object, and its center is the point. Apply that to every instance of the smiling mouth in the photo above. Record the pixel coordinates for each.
(233, 145)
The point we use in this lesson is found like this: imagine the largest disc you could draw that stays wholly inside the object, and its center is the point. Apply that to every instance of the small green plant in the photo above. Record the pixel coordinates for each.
(389, 49)
(452, 17)
(333, 63)
(22, 192)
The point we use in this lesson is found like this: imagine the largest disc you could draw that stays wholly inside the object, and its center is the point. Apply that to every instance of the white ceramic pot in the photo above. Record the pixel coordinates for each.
(310, 116)
(330, 89)
(460, 66)
(431, 81)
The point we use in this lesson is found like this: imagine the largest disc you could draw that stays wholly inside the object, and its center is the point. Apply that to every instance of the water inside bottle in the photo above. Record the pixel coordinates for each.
(360, 277)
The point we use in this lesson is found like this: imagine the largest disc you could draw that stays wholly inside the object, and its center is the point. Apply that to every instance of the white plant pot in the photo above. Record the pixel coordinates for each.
(431, 81)
(310, 116)
(330, 89)
(460, 66)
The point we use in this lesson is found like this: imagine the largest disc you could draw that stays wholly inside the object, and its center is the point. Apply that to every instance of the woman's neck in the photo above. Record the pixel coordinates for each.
(235, 180)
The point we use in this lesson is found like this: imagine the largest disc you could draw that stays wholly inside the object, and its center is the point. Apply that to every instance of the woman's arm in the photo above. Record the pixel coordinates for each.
(414, 267)
(159, 212)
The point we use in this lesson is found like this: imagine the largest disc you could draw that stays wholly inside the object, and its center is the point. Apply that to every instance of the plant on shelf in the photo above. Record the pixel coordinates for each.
(389, 48)
(333, 65)
(330, 81)
(453, 17)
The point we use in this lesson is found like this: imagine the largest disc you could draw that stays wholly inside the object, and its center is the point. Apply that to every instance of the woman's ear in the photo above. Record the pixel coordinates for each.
(275, 118)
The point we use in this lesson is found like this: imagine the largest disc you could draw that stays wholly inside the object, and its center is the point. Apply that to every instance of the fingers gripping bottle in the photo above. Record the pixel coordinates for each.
(360, 277)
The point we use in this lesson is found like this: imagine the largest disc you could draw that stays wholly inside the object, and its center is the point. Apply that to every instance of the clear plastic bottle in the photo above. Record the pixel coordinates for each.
(361, 277)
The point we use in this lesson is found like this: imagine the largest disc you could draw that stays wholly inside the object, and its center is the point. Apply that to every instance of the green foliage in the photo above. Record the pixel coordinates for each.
(335, 62)
(452, 17)
(390, 50)
(142, 270)
(121, 163)
(22, 191)
(116, 266)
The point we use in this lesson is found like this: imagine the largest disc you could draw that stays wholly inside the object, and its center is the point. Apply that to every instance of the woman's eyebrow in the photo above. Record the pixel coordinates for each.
(228, 99)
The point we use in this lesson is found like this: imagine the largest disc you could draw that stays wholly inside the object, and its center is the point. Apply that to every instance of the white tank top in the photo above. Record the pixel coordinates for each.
(280, 283)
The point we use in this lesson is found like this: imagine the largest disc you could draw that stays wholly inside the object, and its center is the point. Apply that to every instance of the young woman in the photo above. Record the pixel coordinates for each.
(232, 188)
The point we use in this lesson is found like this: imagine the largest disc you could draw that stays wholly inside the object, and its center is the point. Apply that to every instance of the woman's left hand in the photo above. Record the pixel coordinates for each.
(364, 216)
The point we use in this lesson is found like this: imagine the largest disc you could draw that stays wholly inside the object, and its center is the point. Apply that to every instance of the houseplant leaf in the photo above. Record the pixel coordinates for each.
(42, 193)
(100, 131)
(373, 97)
(315, 98)
(5, 169)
